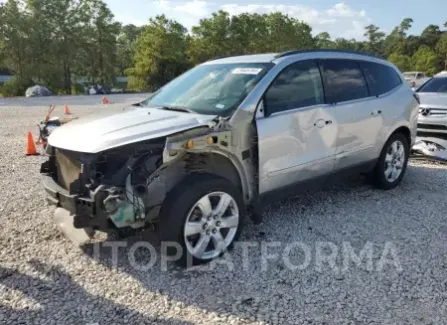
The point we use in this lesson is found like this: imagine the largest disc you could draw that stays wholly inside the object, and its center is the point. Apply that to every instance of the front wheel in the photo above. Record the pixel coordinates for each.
(204, 215)
(392, 163)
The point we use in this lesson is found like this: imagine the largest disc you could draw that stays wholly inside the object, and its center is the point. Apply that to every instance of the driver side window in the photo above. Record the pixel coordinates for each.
(298, 85)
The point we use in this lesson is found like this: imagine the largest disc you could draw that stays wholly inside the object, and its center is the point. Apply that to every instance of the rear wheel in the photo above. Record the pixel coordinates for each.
(392, 164)
(204, 215)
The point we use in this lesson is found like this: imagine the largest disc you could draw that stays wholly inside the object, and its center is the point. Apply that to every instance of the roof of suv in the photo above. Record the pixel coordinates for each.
(277, 57)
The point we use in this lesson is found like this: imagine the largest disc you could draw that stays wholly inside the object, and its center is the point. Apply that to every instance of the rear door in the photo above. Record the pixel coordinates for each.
(296, 136)
(355, 112)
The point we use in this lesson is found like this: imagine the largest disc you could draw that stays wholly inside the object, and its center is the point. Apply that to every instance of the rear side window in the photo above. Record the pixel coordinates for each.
(344, 81)
(298, 85)
(381, 78)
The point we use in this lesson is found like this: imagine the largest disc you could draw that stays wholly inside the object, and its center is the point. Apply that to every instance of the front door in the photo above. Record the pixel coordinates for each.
(297, 134)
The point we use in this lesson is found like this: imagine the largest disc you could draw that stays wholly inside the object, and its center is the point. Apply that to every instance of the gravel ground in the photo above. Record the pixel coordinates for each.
(45, 279)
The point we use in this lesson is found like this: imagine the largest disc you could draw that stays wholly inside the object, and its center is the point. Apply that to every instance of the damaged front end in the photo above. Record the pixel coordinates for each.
(125, 187)
(102, 191)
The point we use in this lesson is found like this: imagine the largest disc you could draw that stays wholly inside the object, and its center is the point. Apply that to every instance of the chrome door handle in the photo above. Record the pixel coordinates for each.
(322, 123)
(375, 113)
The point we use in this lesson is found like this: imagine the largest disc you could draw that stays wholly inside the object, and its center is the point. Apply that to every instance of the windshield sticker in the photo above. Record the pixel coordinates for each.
(220, 106)
(246, 71)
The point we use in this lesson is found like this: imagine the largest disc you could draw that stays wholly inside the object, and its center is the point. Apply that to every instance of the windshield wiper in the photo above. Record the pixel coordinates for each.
(177, 109)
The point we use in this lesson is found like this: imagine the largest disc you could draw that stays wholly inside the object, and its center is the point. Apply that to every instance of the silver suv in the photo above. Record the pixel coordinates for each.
(223, 138)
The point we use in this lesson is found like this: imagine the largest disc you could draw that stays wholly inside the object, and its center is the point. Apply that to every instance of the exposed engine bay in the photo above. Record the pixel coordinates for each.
(126, 186)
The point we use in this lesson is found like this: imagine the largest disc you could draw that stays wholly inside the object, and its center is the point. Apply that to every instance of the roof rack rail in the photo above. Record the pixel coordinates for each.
(293, 52)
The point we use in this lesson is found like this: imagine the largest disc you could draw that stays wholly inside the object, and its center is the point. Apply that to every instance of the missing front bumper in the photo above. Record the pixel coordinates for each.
(86, 212)
(65, 221)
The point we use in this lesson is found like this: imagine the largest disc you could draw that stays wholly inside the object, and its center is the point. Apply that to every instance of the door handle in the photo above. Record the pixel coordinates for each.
(322, 123)
(375, 113)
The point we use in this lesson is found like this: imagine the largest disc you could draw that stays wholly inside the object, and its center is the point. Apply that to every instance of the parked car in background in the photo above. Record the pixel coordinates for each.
(97, 90)
(415, 79)
(432, 124)
(226, 137)
(38, 91)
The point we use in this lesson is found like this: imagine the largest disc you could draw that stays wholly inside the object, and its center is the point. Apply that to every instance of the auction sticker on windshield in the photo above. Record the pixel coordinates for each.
(246, 70)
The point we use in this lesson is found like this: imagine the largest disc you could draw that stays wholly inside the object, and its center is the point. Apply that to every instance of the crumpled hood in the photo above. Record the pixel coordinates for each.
(99, 132)
(435, 100)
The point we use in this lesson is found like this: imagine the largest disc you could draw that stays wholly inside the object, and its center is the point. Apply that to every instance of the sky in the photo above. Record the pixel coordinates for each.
(340, 18)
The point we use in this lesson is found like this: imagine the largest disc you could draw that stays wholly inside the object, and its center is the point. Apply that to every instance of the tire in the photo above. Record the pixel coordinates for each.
(182, 205)
(381, 176)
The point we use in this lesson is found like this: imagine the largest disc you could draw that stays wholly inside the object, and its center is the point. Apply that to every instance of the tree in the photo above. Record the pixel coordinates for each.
(13, 27)
(126, 38)
(351, 45)
(100, 48)
(404, 26)
(159, 54)
(323, 41)
(402, 61)
(425, 59)
(211, 38)
(286, 33)
(396, 41)
(375, 40)
(223, 35)
(53, 41)
(57, 37)
(441, 49)
(412, 44)
(430, 36)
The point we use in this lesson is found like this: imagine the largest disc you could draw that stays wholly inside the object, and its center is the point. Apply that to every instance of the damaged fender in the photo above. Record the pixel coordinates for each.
(432, 148)
(200, 150)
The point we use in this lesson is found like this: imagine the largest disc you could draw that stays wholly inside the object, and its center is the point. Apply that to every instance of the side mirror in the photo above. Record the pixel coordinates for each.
(260, 109)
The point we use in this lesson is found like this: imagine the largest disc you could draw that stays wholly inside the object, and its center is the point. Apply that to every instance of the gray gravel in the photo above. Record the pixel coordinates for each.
(45, 279)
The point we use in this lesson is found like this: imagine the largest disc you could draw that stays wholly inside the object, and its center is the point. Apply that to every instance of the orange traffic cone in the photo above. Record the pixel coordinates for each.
(30, 147)
(104, 100)
(67, 110)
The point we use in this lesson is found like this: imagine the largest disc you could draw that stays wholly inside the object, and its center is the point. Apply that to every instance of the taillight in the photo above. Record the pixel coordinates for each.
(417, 98)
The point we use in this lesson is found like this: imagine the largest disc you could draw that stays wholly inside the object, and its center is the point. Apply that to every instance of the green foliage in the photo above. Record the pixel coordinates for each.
(223, 35)
(441, 49)
(77, 89)
(323, 41)
(126, 39)
(430, 36)
(375, 38)
(402, 61)
(15, 87)
(425, 59)
(49, 41)
(159, 54)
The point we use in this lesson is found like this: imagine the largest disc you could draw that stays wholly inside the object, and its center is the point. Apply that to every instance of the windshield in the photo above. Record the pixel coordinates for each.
(411, 75)
(215, 89)
(434, 85)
